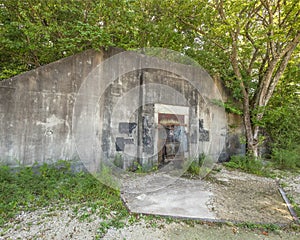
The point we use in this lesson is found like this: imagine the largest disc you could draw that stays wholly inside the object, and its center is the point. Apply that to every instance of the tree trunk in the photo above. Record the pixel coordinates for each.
(251, 131)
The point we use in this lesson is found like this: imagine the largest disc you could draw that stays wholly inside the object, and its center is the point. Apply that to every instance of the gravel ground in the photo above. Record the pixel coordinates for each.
(48, 223)
(243, 197)
(183, 231)
(291, 185)
(61, 224)
(232, 188)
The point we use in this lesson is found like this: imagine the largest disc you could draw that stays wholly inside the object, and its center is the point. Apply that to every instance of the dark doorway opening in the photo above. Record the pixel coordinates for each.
(172, 140)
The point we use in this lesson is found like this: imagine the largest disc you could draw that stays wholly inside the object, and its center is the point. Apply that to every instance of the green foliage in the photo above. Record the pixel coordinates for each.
(12, 70)
(145, 168)
(282, 120)
(288, 159)
(34, 33)
(106, 176)
(237, 41)
(194, 168)
(296, 207)
(229, 106)
(248, 164)
(50, 185)
(253, 226)
(118, 161)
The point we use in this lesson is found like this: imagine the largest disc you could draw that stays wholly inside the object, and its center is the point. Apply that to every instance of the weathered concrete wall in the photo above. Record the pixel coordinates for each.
(235, 128)
(36, 110)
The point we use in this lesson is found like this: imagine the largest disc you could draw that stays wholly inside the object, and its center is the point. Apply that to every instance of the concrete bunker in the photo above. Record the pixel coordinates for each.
(153, 115)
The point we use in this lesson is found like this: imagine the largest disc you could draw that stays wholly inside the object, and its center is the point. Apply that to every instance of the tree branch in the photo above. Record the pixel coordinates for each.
(267, 81)
(282, 23)
(201, 32)
(278, 74)
(290, 45)
(256, 50)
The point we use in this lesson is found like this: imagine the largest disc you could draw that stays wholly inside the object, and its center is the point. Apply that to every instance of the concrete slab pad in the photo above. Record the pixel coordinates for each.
(224, 196)
(182, 198)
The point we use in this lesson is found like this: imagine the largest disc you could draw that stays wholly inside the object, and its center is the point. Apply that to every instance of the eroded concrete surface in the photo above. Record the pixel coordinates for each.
(224, 195)
(182, 198)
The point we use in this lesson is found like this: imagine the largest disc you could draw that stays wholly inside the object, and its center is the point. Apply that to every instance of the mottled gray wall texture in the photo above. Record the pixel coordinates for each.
(36, 111)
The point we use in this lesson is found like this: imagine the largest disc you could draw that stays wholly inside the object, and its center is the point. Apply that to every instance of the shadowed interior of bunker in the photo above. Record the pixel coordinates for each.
(172, 138)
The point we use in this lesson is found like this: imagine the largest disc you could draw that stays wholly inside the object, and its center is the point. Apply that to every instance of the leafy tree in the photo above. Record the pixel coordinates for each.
(257, 38)
(282, 120)
(35, 32)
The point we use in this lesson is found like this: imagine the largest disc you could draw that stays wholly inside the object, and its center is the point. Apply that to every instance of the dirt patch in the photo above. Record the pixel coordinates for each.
(244, 197)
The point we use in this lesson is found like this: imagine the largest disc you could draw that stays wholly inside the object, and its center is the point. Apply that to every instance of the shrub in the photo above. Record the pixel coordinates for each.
(195, 167)
(247, 164)
(286, 158)
(145, 168)
(118, 161)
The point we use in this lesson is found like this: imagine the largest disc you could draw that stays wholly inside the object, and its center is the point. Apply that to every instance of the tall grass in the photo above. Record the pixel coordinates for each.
(288, 159)
(30, 188)
(248, 164)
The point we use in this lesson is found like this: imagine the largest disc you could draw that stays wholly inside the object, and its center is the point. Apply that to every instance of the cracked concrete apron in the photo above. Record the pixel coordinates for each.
(224, 196)
(164, 195)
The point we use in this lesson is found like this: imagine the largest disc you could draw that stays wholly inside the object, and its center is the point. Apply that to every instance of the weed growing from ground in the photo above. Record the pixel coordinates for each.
(53, 185)
(286, 158)
(194, 168)
(249, 164)
(294, 204)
